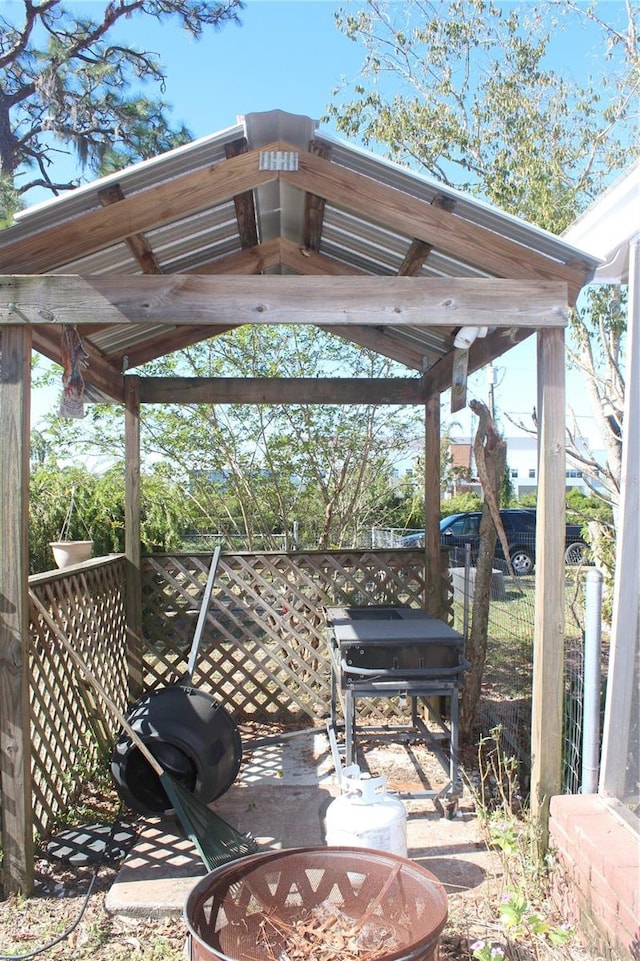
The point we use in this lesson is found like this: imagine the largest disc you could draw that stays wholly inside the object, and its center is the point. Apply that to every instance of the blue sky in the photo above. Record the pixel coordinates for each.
(289, 54)
(286, 55)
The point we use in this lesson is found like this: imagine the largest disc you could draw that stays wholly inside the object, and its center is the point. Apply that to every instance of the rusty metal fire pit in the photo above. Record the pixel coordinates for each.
(316, 904)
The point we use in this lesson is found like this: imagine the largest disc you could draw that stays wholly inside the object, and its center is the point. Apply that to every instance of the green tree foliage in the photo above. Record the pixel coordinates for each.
(596, 517)
(273, 476)
(467, 92)
(406, 499)
(69, 83)
(506, 489)
(478, 95)
(268, 476)
(461, 503)
(90, 506)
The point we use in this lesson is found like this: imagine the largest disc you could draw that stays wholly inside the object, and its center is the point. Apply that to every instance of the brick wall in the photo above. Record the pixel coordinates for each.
(596, 875)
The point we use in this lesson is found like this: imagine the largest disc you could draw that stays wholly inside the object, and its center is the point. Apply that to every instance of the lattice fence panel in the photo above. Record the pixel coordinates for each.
(69, 724)
(264, 647)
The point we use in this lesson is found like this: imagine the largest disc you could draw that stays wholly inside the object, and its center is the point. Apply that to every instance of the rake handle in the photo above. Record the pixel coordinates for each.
(95, 683)
(202, 617)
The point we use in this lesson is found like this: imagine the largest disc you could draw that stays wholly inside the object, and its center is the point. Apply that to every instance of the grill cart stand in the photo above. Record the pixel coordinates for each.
(391, 651)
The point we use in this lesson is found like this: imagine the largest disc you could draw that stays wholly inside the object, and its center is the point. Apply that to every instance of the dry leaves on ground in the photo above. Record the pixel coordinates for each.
(35, 926)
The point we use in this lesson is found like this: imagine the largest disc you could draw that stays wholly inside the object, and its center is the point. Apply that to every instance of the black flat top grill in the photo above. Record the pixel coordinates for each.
(393, 641)
(387, 651)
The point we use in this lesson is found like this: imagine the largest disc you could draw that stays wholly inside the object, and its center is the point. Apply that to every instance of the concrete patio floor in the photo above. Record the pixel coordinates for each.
(281, 796)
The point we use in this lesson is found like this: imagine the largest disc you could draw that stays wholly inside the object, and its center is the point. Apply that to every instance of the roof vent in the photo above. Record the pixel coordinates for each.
(278, 160)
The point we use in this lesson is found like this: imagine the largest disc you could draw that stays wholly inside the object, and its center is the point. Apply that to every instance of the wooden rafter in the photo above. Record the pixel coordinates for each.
(251, 260)
(481, 353)
(303, 260)
(415, 258)
(175, 338)
(244, 202)
(494, 253)
(137, 243)
(418, 252)
(383, 342)
(275, 254)
(314, 204)
(142, 211)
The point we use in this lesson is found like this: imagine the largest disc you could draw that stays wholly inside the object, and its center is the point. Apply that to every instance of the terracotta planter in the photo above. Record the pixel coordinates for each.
(66, 553)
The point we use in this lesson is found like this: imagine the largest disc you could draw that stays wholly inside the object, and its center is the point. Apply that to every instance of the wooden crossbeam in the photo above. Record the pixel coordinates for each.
(195, 300)
(281, 390)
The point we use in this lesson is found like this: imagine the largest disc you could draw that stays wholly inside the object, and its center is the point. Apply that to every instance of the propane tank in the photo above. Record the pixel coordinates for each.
(366, 816)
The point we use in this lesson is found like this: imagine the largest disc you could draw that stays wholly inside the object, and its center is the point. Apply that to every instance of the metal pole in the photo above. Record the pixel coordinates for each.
(467, 590)
(591, 693)
(491, 380)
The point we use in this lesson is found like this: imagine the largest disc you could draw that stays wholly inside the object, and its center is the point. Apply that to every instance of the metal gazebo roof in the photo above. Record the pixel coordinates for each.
(275, 195)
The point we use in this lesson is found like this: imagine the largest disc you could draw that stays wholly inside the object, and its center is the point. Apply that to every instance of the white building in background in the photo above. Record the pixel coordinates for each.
(522, 463)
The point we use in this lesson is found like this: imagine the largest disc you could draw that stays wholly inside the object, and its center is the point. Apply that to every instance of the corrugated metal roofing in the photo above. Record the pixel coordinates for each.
(203, 152)
(427, 188)
(359, 241)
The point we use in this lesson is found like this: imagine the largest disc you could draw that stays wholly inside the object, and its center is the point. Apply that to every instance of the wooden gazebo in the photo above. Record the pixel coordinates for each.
(273, 221)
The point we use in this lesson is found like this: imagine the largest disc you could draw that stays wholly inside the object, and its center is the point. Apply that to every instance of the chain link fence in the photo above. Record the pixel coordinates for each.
(508, 676)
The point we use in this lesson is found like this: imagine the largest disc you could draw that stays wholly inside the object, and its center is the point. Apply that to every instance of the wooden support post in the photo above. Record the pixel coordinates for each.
(548, 638)
(617, 774)
(132, 534)
(15, 725)
(433, 601)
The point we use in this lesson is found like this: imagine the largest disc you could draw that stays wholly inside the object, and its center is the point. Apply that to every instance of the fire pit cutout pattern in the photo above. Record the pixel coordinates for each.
(317, 904)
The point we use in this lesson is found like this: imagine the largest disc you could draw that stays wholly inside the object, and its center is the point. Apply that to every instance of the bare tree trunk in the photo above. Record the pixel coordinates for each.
(491, 454)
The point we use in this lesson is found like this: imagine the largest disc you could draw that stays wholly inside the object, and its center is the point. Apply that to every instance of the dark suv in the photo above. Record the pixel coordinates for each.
(458, 530)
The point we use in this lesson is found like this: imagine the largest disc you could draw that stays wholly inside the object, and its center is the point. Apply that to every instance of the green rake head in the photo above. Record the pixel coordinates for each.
(217, 842)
